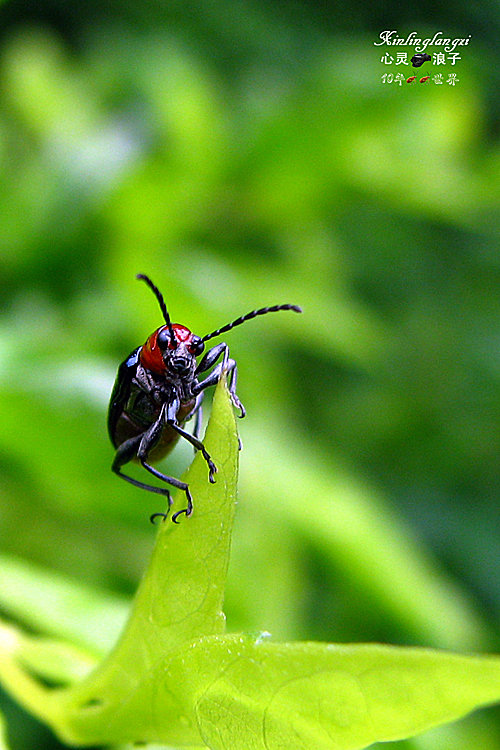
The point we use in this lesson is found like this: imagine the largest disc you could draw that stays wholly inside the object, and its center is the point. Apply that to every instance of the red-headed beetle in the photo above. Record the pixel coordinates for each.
(157, 391)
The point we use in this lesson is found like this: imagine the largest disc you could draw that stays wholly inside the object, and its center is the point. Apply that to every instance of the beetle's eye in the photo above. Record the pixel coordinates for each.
(163, 339)
(197, 345)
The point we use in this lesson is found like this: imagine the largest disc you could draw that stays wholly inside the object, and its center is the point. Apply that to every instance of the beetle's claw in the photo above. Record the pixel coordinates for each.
(238, 405)
(155, 515)
(187, 511)
(189, 508)
(212, 469)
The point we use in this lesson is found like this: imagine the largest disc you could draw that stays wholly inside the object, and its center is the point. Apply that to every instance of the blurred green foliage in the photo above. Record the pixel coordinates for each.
(245, 154)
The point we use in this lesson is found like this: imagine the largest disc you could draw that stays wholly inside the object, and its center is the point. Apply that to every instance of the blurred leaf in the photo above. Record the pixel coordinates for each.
(3, 736)
(54, 661)
(50, 603)
(360, 536)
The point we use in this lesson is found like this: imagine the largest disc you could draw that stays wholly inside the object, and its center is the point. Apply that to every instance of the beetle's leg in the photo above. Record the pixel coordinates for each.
(214, 378)
(211, 357)
(197, 413)
(233, 378)
(147, 442)
(198, 417)
(212, 468)
(227, 364)
(171, 420)
(125, 453)
(175, 483)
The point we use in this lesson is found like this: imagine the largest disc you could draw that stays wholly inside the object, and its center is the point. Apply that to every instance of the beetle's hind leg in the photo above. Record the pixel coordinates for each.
(175, 483)
(125, 453)
(139, 447)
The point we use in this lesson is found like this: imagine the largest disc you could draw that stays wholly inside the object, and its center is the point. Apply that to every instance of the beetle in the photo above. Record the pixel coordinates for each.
(419, 59)
(157, 390)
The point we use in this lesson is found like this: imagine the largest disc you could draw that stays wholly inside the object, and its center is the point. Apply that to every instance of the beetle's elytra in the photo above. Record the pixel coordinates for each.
(157, 391)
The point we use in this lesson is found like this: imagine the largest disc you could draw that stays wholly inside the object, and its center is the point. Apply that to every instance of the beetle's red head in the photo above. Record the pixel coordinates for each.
(162, 354)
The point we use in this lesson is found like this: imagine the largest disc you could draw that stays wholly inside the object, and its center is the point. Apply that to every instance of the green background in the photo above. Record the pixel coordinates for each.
(245, 154)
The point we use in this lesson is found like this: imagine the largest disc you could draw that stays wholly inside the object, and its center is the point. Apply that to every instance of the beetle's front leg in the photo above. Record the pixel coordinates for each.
(212, 356)
(197, 413)
(228, 365)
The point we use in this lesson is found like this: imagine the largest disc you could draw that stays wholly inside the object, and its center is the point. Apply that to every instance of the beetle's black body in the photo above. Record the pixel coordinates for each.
(121, 393)
(157, 391)
(133, 408)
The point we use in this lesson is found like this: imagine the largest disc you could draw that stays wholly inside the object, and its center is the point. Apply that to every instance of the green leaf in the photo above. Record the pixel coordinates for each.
(298, 696)
(175, 678)
(251, 693)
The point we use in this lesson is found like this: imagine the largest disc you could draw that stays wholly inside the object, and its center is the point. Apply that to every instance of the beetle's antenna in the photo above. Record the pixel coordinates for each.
(249, 316)
(161, 302)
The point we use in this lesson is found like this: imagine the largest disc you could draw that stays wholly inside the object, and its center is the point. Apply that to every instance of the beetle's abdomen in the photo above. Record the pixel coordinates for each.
(138, 413)
(126, 428)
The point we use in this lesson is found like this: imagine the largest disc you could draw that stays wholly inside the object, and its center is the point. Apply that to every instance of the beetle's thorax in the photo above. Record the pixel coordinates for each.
(163, 387)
